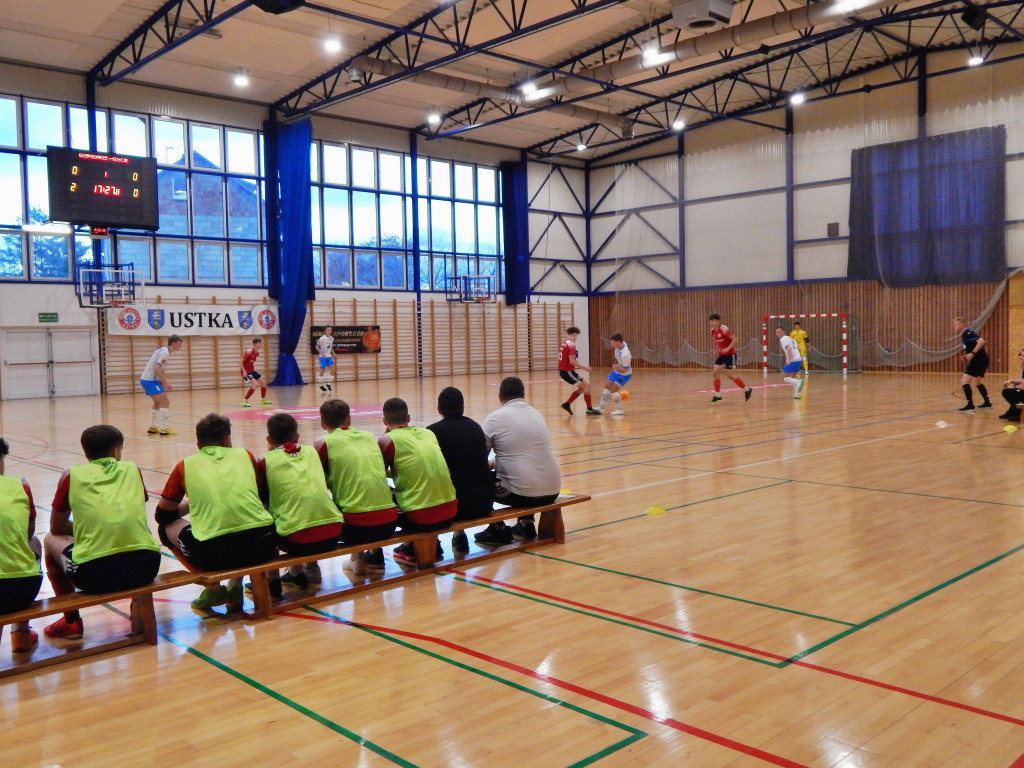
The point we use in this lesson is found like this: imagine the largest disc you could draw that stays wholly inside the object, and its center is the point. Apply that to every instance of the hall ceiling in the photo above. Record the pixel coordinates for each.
(467, 60)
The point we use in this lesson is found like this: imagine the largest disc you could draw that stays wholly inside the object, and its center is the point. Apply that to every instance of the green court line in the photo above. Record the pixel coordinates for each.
(635, 734)
(690, 589)
(641, 627)
(680, 506)
(909, 493)
(904, 604)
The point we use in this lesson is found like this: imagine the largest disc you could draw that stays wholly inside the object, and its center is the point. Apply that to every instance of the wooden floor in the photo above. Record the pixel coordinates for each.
(834, 581)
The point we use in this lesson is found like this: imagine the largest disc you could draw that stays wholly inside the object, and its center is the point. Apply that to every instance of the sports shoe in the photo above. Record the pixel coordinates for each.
(968, 407)
(210, 597)
(153, 430)
(439, 552)
(323, 387)
(986, 404)
(716, 399)
(594, 412)
(245, 404)
(797, 397)
(234, 601)
(168, 431)
(460, 542)
(567, 408)
(355, 563)
(495, 534)
(374, 559)
(405, 554)
(800, 387)
(295, 581)
(524, 529)
(1010, 413)
(747, 393)
(618, 412)
(329, 387)
(65, 630)
(274, 585)
(266, 402)
(312, 573)
(23, 640)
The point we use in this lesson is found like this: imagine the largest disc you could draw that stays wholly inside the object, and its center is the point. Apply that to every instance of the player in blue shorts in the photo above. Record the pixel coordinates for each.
(794, 362)
(325, 349)
(155, 385)
(621, 373)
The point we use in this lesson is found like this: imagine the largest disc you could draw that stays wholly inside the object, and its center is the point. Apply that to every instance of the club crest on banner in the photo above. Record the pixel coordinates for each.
(156, 318)
(267, 319)
(245, 319)
(129, 318)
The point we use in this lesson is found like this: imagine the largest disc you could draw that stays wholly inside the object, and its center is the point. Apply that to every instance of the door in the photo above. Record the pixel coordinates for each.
(49, 363)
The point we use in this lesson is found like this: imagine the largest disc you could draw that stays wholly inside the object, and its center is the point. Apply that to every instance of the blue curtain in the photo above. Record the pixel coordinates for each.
(930, 211)
(515, 211)
(289, 237)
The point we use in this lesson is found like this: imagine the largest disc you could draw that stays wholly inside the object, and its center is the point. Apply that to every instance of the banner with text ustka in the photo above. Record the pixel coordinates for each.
(192, 320)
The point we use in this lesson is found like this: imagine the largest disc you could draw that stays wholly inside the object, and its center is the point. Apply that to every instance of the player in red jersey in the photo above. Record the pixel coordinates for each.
(568, 362)
(250, 375)
(726, 359)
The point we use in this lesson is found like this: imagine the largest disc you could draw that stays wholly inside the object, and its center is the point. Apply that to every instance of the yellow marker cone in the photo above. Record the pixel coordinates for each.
(1009, 428)
(566, 492)
(655, 510)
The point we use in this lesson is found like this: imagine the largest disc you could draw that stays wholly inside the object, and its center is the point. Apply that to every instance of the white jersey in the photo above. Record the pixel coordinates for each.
(624, 358)
(787, 342)
(157, 358)
(325, 346)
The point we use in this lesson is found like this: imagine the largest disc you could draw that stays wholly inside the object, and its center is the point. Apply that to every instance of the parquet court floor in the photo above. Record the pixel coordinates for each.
(834, 581)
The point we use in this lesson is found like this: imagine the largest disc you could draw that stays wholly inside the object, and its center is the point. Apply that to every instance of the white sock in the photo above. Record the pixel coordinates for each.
(617, 400)
(154, 417)
(164, 415)
(788, 380)
(604, 398)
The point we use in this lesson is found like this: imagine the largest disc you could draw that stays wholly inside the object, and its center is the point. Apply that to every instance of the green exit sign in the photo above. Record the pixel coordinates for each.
(47, 317)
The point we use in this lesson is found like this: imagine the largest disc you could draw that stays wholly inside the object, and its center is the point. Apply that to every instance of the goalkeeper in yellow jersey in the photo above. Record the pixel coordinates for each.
(799, 335)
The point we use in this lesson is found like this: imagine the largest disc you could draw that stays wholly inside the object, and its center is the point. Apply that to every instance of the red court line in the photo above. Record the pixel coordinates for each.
(767, 654)
(572, 687)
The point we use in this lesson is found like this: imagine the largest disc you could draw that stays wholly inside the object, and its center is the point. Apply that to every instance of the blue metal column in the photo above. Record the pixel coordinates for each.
(414, 180)
(681, 206)
(790, 225)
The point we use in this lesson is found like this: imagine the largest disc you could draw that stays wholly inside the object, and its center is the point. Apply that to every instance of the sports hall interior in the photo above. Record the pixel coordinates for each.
(829, 581)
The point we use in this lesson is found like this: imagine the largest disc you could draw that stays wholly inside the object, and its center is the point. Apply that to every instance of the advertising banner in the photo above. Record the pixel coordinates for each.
(192, 320)
(348, 338)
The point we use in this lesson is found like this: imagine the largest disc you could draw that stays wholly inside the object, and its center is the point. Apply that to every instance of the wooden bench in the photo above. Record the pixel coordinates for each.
(143, 623)
(550, 530)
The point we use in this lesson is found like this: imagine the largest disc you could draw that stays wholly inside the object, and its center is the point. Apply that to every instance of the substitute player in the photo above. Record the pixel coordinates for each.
(622, 371)
(325, 349)
(156, 386)
(250, 375)
(794, 362)
(726, 359)
(568, 362)
(799, 335)
(976, 359)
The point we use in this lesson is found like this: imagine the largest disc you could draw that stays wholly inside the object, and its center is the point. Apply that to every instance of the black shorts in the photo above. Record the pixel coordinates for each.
(125, 570)
(728, 361)
(570, 377)
(977, 365)
(252, 376)
(367, 534)
(510, 499)
(472, 506)
(306, 547)
(232, 550)
(19, 592)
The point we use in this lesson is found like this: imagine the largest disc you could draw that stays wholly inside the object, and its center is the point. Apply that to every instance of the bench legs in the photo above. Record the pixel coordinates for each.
(551, 526)
(143, 617)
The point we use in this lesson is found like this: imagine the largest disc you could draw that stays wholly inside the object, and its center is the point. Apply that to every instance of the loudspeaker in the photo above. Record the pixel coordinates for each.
(278, 6)
(973, 18)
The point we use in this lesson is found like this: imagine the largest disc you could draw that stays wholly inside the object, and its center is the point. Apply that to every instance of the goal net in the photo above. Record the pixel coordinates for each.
(832, 342)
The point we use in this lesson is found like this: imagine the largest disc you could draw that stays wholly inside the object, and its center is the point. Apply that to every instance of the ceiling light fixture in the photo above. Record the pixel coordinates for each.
(242, 79)
(528, 88)
(580, 147)
(678, 124)
(332, 45)
(975, 61)
(433, 118)
(797, 98)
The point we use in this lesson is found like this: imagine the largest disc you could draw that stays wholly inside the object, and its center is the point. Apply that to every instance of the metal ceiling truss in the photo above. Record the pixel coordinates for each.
(451, 26)
(176, 22)
(768, 82)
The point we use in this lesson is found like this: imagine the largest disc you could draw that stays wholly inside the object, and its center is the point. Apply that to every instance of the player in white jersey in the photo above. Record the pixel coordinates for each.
(622, 371)
(794, 362)
(156, 386)
(325, 349)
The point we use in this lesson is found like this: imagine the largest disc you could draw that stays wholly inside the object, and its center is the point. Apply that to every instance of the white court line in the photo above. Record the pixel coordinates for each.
(759, 463)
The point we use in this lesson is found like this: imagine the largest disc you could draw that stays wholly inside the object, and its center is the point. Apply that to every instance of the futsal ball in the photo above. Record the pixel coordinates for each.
(624, 394)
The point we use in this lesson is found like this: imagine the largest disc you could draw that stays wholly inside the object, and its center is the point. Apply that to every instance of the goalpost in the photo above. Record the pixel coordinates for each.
(831, 340)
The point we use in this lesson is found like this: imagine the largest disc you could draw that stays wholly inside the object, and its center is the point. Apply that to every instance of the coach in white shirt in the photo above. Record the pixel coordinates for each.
(525, 467)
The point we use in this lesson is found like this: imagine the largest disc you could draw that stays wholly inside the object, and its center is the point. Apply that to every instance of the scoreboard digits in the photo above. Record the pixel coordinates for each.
(102, 190)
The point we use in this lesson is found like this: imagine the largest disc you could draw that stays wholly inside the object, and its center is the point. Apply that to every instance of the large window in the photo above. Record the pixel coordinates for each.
(369, 215)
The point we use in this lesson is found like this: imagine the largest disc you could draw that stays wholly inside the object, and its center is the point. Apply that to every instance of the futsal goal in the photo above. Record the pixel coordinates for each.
(832, 341)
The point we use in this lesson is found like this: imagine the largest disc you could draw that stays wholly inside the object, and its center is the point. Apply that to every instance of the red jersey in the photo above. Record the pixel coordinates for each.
(723, 338)
(249, 359)
(566, 354)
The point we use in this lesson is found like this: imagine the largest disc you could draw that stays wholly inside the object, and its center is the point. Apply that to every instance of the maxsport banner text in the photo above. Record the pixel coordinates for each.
(192, 320)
